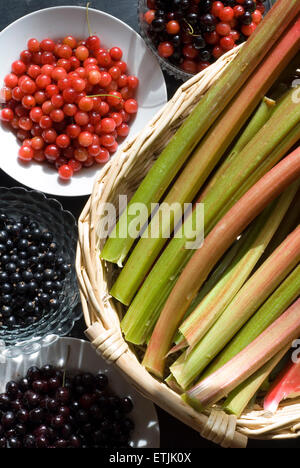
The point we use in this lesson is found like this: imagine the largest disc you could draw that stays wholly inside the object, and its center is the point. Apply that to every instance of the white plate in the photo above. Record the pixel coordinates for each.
(56, 23)
(74, 355)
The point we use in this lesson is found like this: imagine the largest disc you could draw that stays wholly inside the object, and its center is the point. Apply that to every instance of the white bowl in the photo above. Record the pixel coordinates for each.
(73, 355)
(56, 23)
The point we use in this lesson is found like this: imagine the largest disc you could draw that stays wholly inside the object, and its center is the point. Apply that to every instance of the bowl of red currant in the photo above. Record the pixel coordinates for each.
(73, 96)
(38, 286)
(66, 396)
(187, 36)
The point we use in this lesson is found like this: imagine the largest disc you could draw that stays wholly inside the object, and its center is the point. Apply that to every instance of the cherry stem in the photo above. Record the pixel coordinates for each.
(66, 363)
(88, 18)
(191, 29)
(104, 95)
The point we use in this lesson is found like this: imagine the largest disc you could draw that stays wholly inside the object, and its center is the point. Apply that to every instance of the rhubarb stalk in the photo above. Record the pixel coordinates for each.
(277, 303)
(203, 161)
(275, 338)
(289, 223)
(205, 158)
(209, 310)
(145, 309)
(287, 385)
(249, 299)
(258, 120)
(215, 245)
(239, 398)
(200, 120)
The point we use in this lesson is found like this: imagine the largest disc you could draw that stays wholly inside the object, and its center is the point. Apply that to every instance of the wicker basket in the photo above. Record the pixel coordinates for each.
(102, 314)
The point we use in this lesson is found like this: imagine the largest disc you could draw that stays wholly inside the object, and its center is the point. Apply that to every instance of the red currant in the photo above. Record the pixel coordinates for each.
(165, 49)
(26, 153)
(33, 45)
(7, 115)
(11, 80)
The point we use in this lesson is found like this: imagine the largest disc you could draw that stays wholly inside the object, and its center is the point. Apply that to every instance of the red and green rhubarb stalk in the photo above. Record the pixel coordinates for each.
(201, 164)
(203, 161)
(289, 223)
(198, 123)
(258, 120)
(240, 397)
(186, 368)
(287, 385)
(229, 259)
(214, 247)
(267, 144)
(275, 338)
(249, 299)
(214, 304)
(277, 303)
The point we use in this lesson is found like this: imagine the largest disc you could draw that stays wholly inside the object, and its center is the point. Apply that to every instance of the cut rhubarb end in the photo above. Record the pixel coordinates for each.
(286, 386)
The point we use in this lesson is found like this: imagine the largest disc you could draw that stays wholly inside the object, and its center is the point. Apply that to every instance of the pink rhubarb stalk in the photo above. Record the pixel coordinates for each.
(286, 386)
(215, 387)
(214, 247)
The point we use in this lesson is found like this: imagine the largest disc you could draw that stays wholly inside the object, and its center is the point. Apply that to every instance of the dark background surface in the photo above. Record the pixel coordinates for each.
(174, 435)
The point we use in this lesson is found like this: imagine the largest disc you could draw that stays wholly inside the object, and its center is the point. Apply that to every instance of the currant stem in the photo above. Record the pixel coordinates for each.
(88, 19)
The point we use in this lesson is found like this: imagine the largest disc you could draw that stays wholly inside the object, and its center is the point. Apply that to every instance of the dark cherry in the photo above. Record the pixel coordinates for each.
(12, 389)
(126, 405)
(33, 374)
(86, 401)
(61, 443)
(41, 442)
(65, 411)
(8, 419)
(3, 443)
(22, 415)
(29, 442)
(14, 442)
(36, 416)
(63, 395)
(4, 401)
(58, 421)
(101, 382)
(75, 442)
(31, 399)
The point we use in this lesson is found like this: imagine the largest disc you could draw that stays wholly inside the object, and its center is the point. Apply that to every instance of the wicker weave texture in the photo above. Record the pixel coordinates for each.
(102, 313)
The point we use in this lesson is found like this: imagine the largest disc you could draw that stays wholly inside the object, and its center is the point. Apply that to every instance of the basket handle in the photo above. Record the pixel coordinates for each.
(219, 427)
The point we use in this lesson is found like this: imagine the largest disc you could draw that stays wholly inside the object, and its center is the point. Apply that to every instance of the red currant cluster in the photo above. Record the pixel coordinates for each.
(69, 102)
(192, 34)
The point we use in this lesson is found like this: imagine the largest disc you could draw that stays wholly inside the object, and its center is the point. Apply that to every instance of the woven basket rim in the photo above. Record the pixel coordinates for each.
(102, 314)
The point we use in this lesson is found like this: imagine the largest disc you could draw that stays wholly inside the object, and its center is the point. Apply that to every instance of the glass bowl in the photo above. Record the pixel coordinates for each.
(165, 64)
(50, 215)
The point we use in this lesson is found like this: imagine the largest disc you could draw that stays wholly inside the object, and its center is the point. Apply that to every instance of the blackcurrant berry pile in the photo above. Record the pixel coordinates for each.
(31, 272)
(192, 34)
(50, 409)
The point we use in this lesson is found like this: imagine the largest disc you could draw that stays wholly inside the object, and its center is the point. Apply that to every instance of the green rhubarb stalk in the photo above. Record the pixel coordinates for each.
(240, 397)
(144, 311)
(214, 247)
(227, 261)
(285, 145)
(275, 130)
(205, 158)
(258, 120)
(249, 299)
(210, 309)
(275, 338)
(277, 303)
(204, 115)
(260, 117)
(189, 182)
(289, 223)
